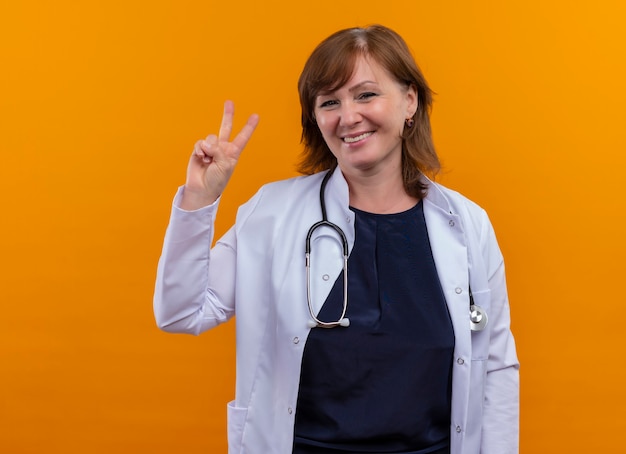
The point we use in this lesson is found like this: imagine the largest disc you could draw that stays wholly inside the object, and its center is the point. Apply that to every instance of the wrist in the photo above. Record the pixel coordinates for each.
(192, 200)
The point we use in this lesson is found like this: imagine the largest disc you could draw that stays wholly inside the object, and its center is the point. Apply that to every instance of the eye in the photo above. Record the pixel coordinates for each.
(366, 96)
(328, 103)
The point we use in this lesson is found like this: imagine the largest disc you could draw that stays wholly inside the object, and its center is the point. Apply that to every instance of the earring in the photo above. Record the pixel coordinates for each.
(409, 122)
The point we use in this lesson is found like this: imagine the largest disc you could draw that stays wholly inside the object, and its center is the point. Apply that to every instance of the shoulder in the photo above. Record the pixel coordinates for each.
(474, 219)
(279, 196)
(453, 201)
(299, 184)
(285, 192)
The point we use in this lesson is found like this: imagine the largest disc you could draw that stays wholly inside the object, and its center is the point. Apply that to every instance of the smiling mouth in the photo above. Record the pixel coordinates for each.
(357, 138)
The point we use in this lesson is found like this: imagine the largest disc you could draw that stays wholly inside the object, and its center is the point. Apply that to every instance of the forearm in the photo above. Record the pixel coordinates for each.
(183, 300)
(501, 404)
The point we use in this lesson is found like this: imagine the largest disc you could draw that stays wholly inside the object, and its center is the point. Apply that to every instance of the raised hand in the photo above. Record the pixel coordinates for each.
(213, 161)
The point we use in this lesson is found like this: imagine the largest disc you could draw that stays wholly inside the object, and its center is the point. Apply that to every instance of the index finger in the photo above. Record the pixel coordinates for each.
(244, 135)
(227, 121)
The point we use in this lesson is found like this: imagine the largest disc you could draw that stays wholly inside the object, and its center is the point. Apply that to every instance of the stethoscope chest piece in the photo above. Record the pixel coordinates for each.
(478, 318)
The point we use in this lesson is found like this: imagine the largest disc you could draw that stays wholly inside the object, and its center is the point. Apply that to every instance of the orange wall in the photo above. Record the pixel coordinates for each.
(101, 102)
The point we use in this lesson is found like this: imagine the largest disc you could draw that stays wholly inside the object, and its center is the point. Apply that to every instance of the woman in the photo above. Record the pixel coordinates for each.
(406, 367)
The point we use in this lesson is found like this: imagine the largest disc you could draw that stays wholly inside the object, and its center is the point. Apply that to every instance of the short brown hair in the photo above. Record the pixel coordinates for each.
(331, 65)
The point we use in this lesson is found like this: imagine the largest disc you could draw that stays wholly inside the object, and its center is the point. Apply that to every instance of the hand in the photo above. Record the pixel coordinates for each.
(213, 161)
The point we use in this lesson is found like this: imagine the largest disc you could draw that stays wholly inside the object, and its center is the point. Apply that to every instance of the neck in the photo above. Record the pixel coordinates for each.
(382, 193)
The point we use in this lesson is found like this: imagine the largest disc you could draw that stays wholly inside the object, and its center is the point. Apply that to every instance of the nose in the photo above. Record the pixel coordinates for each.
(349, 114)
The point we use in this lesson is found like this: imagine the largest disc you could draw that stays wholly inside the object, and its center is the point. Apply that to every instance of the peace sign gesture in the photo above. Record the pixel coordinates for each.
(213, 161)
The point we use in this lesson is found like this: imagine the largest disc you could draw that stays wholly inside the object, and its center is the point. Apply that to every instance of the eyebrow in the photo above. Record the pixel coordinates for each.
(361, 84)
(357, 87)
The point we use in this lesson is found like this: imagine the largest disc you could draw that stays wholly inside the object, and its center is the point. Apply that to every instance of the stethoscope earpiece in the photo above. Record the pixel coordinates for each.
(344, 322)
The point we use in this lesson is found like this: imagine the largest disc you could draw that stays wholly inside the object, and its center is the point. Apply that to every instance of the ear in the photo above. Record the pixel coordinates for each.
(412, 101)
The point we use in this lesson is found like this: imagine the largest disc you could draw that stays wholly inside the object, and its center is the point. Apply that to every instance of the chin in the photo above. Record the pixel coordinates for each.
(358, 165)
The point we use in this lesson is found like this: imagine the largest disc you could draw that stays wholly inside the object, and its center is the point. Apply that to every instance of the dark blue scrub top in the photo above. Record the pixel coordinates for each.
(383, 384)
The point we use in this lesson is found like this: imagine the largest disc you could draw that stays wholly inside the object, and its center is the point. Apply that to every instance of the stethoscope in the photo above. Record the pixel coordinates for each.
(477, 315)
(343, 320)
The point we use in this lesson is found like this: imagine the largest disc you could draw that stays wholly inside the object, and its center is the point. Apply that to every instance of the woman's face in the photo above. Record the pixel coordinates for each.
(362, 121)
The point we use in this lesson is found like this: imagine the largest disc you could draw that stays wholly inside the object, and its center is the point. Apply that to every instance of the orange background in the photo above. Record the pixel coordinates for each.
(101, 102)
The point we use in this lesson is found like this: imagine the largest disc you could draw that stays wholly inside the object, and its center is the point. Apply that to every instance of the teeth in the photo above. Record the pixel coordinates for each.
(357, 138)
